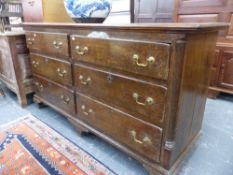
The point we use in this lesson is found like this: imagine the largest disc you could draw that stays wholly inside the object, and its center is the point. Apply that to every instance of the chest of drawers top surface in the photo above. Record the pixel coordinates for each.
(150, 80)
(136, 26)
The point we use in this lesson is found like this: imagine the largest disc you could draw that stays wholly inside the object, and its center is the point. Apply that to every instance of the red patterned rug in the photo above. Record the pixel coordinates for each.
(29, 146)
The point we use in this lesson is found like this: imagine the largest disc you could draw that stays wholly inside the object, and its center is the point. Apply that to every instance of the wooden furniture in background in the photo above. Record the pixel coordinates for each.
(213, 11)
(45, 11)
(142, 88)
(9, 8)
(15, 70)
(150, 11)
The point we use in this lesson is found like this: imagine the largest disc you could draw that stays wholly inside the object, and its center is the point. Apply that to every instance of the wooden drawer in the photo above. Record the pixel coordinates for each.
(133, 96)
(133, 133)
(55, 94)
(149, 59)
(48, 43)
(54, 69)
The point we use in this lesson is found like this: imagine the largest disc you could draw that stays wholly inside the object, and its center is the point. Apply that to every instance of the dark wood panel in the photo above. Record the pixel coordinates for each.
(201, 3)
(55, 94)
(137, 135)
(21, 45)
(231, 26)
(48, 43)
(213, 76)
(198, 18)
(203, 6)
(6, 60)
(215, 69)
(56, 70)
(15, 70)
(222, 8)
(216, 58)
(226, 73)
(149, 59)
(25, 68)
(138, 98)
(199, 58)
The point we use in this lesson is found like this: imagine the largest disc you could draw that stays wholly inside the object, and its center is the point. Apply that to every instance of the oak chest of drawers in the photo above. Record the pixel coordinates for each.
(141, 88)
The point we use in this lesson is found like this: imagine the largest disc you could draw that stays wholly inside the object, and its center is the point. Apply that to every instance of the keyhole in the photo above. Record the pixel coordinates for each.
(109, 78)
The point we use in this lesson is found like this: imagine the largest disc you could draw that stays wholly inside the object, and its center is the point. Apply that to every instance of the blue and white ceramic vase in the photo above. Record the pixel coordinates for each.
(88, 11)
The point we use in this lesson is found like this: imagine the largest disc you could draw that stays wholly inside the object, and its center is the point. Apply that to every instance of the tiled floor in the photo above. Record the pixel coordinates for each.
(212, 154)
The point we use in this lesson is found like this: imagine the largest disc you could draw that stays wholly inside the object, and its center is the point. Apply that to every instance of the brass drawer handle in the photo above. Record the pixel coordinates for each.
(30, 41)
(39, 86)
(35, 64)
(145, 141)
(149, 61)
(61, 73)
(81, 51)
(57, 45)
(65, 99)
(88, 112)
(149, 100)
(84, 82)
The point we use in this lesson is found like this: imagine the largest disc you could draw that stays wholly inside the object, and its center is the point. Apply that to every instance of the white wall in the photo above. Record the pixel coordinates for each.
(120, 13)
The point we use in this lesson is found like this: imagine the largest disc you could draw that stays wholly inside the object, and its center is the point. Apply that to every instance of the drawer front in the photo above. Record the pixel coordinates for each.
(136, 135)
(56, 70)
(56, 95)
(52, 44)
(149, 59)
(138, 98)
